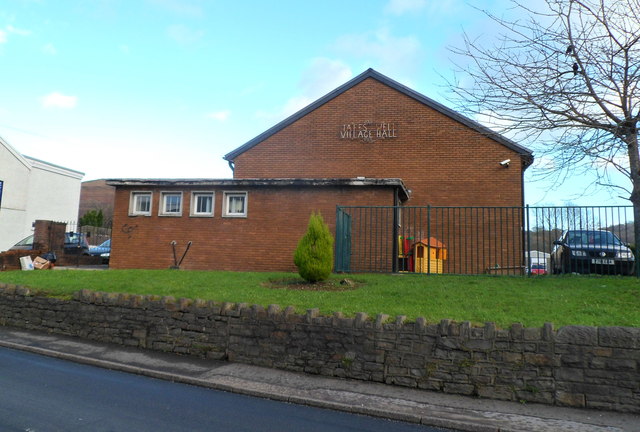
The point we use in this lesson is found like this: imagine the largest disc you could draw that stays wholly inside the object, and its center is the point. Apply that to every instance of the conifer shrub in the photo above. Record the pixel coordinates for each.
(314, 254)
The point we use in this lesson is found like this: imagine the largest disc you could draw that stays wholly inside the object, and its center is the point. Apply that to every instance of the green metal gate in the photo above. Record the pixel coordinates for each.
(343, 241)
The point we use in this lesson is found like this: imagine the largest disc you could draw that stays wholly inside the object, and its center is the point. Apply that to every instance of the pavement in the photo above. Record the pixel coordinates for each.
(459, 413)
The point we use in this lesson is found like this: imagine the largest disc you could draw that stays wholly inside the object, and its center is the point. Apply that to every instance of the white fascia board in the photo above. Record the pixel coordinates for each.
(46, 166)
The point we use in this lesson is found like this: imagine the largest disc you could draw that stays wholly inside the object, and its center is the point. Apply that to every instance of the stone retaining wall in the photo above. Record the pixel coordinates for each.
(574, 366)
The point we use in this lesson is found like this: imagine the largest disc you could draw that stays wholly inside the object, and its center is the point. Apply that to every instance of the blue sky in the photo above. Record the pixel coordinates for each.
(165, 88)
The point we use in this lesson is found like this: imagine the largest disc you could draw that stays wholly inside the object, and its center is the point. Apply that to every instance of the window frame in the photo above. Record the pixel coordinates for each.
(133, 200)
(193, 210)
(227, 195)
(162, 211)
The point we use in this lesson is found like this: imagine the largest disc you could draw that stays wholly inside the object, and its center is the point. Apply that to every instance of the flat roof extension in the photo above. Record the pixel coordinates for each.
(274, 183)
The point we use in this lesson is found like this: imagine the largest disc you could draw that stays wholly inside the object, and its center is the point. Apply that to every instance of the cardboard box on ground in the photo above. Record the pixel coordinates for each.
(40, 263)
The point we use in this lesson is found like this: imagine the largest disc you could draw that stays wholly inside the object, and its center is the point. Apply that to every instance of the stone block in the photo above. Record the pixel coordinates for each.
(574, 360)
(577, 335)
(478, 344)
(402, 381)
(458, 388)
(569, 374)
(535, 396)
(495, 392)
(430, 384)
(532, 334)
(570, 399)
(413, 361)
(397, 371)
(538, 359)
(621, 337)
(511, 357)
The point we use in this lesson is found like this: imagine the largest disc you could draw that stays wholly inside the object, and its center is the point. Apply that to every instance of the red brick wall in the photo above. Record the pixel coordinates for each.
(264, 241)
(441, 160)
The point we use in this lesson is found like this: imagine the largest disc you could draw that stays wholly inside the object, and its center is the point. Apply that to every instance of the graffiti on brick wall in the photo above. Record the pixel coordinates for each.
(128, 229)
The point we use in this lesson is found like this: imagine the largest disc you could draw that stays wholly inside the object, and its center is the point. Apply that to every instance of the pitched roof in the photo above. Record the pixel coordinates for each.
(432, 242)
(370, 73)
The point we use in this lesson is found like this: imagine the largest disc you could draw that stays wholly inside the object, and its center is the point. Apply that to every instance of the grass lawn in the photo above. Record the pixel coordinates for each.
(567, 300)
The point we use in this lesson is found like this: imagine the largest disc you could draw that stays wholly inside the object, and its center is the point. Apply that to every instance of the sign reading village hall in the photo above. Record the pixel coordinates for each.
(368, 131)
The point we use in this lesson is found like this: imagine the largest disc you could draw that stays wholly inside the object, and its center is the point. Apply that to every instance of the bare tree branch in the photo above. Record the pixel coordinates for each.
(564, 80)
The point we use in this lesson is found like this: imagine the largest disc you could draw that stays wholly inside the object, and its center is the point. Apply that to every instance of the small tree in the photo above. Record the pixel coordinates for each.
(92, 218)
(314, 254)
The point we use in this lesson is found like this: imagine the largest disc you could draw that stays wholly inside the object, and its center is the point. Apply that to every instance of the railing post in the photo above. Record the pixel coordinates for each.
(428, 257)
(394, 247)
(528, 248)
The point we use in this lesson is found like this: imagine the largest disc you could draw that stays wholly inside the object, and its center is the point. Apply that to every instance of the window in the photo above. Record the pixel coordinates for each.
(140, 204)
(202, 204)
(235, 204)
(171, 204)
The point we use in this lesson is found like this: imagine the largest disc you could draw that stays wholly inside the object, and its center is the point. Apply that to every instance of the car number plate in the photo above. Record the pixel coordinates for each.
(602, 261)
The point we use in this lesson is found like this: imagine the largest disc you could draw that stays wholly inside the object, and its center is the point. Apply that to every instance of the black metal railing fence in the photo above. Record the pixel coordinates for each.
(93, 235)
(479, 240)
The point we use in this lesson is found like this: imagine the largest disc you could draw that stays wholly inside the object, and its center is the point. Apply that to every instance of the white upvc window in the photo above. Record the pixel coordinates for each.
(202, 204)
(140, 203)
(235, 204)
(170, 204)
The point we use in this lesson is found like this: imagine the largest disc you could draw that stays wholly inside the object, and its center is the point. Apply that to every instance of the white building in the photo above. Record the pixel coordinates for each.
(32, 189)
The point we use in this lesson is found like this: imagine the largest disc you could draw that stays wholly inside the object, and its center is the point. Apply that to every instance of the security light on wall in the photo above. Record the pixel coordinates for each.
(505, 163)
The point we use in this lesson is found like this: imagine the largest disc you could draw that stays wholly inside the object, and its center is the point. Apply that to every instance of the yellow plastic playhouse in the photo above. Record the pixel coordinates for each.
(429, 255)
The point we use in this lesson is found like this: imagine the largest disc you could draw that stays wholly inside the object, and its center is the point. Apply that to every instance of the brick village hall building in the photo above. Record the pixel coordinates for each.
(370, 142)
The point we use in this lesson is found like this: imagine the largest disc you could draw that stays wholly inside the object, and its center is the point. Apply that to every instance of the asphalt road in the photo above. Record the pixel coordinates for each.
(42, 394)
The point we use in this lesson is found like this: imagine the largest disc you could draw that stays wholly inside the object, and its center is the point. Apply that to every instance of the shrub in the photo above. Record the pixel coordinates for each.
(314, 254)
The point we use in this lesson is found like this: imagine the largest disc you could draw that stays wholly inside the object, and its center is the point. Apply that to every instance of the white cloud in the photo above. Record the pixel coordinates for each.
(21, 32)
(59, 100)
(49, 49)
(393, 54)
(545, 163)
(322, 76)
(219, 115)
(493, 121)
(4, 34)
(319, 78)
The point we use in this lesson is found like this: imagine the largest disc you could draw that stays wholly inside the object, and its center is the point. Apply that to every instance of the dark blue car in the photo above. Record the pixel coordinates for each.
(591, 251)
